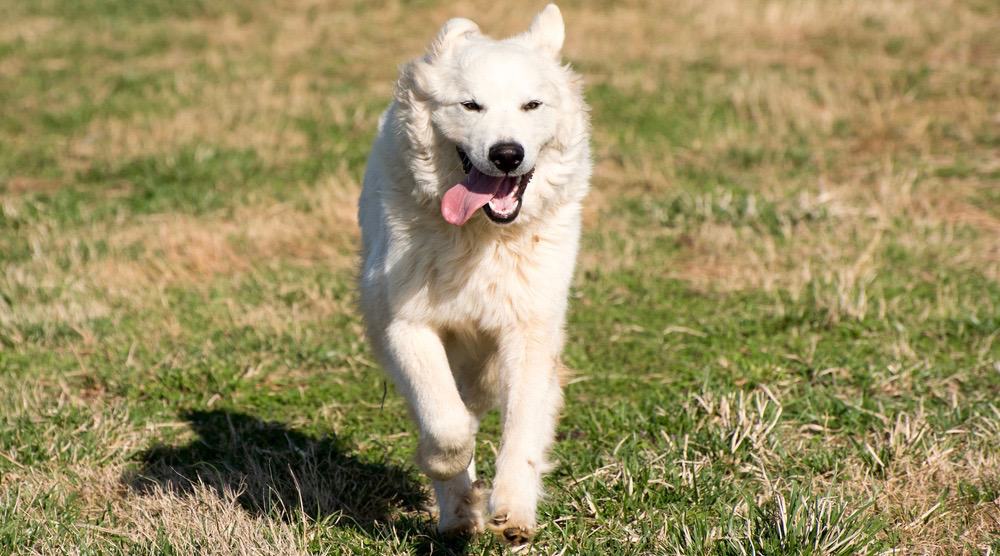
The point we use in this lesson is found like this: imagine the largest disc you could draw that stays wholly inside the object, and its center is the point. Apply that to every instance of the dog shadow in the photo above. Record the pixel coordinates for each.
(274, 471)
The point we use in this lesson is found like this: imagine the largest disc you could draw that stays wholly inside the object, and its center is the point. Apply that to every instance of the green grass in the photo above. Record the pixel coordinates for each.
(783, 328)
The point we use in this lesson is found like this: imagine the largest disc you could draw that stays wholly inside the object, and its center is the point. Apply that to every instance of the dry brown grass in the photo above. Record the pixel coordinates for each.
(281, 503)
(201, 521)
(178, 249)
(822, 78)
(151, 254)
(915, 486)
(320, 229)
(911, 476)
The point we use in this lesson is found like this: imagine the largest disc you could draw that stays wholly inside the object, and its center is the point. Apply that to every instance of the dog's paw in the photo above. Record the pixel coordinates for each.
(511, 528)
(466, 517)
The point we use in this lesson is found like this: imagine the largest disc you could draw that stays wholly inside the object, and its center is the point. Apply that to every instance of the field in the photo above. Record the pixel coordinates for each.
(785, 325)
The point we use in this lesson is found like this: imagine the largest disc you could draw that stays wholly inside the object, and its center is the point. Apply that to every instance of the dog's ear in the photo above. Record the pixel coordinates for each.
(452, 31)
(547, 31)
(420, 72)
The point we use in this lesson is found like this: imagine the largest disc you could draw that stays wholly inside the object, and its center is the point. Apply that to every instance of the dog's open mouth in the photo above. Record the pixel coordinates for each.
(498, 196)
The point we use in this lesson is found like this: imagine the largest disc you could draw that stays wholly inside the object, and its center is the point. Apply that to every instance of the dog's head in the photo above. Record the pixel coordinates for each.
(496, 111)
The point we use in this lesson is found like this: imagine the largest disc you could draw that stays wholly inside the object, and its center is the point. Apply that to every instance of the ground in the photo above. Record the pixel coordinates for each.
(785, 327)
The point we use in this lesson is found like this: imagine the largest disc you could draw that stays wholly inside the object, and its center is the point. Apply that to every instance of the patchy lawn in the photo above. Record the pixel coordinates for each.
(785, 325)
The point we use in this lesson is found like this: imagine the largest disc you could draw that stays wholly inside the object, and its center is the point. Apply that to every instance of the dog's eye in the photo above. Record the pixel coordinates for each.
(472, 106)
(531, 105)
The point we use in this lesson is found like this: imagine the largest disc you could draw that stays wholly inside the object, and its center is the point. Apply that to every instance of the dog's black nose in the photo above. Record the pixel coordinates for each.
(506, 156)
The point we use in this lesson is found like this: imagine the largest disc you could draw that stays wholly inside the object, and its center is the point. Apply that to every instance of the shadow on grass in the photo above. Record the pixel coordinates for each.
(275, 471)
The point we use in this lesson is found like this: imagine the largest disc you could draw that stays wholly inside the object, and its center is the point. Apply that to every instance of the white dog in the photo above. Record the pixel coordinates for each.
(465, 307)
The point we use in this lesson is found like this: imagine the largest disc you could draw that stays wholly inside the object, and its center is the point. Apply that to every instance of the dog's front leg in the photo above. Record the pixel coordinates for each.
(530, 400)
(415, 358)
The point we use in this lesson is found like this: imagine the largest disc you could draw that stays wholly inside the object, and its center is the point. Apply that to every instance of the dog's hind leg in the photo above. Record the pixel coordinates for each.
(415, 358)
(461, 502)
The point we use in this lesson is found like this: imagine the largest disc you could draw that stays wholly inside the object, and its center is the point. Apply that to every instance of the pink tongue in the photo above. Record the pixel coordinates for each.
(464, 199)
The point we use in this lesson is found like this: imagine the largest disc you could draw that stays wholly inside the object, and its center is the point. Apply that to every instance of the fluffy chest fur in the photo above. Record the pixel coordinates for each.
(482, 277)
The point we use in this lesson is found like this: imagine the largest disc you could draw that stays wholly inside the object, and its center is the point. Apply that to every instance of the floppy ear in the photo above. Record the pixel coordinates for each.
(453, 30)
(547, 31)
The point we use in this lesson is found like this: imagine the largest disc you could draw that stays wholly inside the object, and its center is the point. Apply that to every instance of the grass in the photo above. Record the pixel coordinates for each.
(784, 325)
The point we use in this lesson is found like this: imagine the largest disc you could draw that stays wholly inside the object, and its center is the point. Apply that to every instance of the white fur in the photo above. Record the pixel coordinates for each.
(467, 319)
